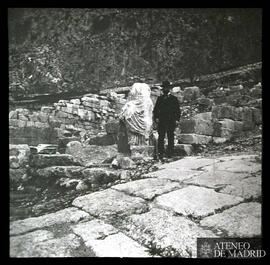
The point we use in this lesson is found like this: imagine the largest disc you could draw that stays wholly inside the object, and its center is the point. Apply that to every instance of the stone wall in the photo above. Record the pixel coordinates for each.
(81, 118)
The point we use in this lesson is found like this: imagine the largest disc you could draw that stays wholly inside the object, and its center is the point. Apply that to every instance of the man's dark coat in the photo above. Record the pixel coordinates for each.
(167, 109)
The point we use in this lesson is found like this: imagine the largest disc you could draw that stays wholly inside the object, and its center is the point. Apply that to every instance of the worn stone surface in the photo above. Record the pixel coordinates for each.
(107, 241)
(248, 188)
(165, 233)
(44, 160)
(68, 215)
(188, 163)
(196, 201)
(55, 247)
(147, 188)
(20, 245)
(243, 165)
(119, 245)
(109, 203)
(216, 179)
(174, 174)
(192, 138)
(243, 220)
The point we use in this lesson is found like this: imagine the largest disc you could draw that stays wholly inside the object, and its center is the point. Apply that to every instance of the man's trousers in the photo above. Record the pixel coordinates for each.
(163, 129)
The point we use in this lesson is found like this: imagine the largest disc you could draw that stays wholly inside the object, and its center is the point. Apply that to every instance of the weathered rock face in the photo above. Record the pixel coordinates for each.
(243, 220)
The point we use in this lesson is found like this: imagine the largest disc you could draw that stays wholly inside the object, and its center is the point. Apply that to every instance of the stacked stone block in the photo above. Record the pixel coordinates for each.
(67, 118)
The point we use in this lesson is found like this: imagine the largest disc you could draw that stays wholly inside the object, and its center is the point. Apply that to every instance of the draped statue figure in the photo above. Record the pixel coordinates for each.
(136, 116)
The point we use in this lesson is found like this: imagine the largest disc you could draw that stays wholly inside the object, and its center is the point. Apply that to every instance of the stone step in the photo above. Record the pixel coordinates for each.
(45, 160)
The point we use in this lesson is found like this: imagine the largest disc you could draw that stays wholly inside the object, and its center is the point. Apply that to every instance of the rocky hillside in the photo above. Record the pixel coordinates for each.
(87, 50)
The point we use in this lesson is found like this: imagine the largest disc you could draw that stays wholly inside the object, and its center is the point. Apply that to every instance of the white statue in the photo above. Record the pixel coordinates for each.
(137, 114)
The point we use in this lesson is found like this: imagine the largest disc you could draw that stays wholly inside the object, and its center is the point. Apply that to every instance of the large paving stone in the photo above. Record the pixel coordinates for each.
(196, 201)
(68, 215)
(189, 163)
(243, 220)
(194, 138)
(20, 245)
(23, 246)
(247, 188)
(165, 233)
(110, 203)
(44, 160)
(147, 188)
(215, 178)
(251, 158)
(119, 245)
(236, 165)
(107, 241)
(174, 174)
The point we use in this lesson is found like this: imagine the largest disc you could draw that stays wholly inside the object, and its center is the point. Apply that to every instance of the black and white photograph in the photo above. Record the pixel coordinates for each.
(135, 132)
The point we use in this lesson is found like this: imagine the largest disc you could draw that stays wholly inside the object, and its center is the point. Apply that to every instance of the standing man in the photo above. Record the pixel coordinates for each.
(166, 115)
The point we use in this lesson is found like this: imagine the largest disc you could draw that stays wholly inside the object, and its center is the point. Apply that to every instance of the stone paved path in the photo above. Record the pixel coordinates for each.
(160, 215)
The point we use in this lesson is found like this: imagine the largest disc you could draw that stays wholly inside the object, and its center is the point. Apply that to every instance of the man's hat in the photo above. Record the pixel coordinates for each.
(166, 84)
